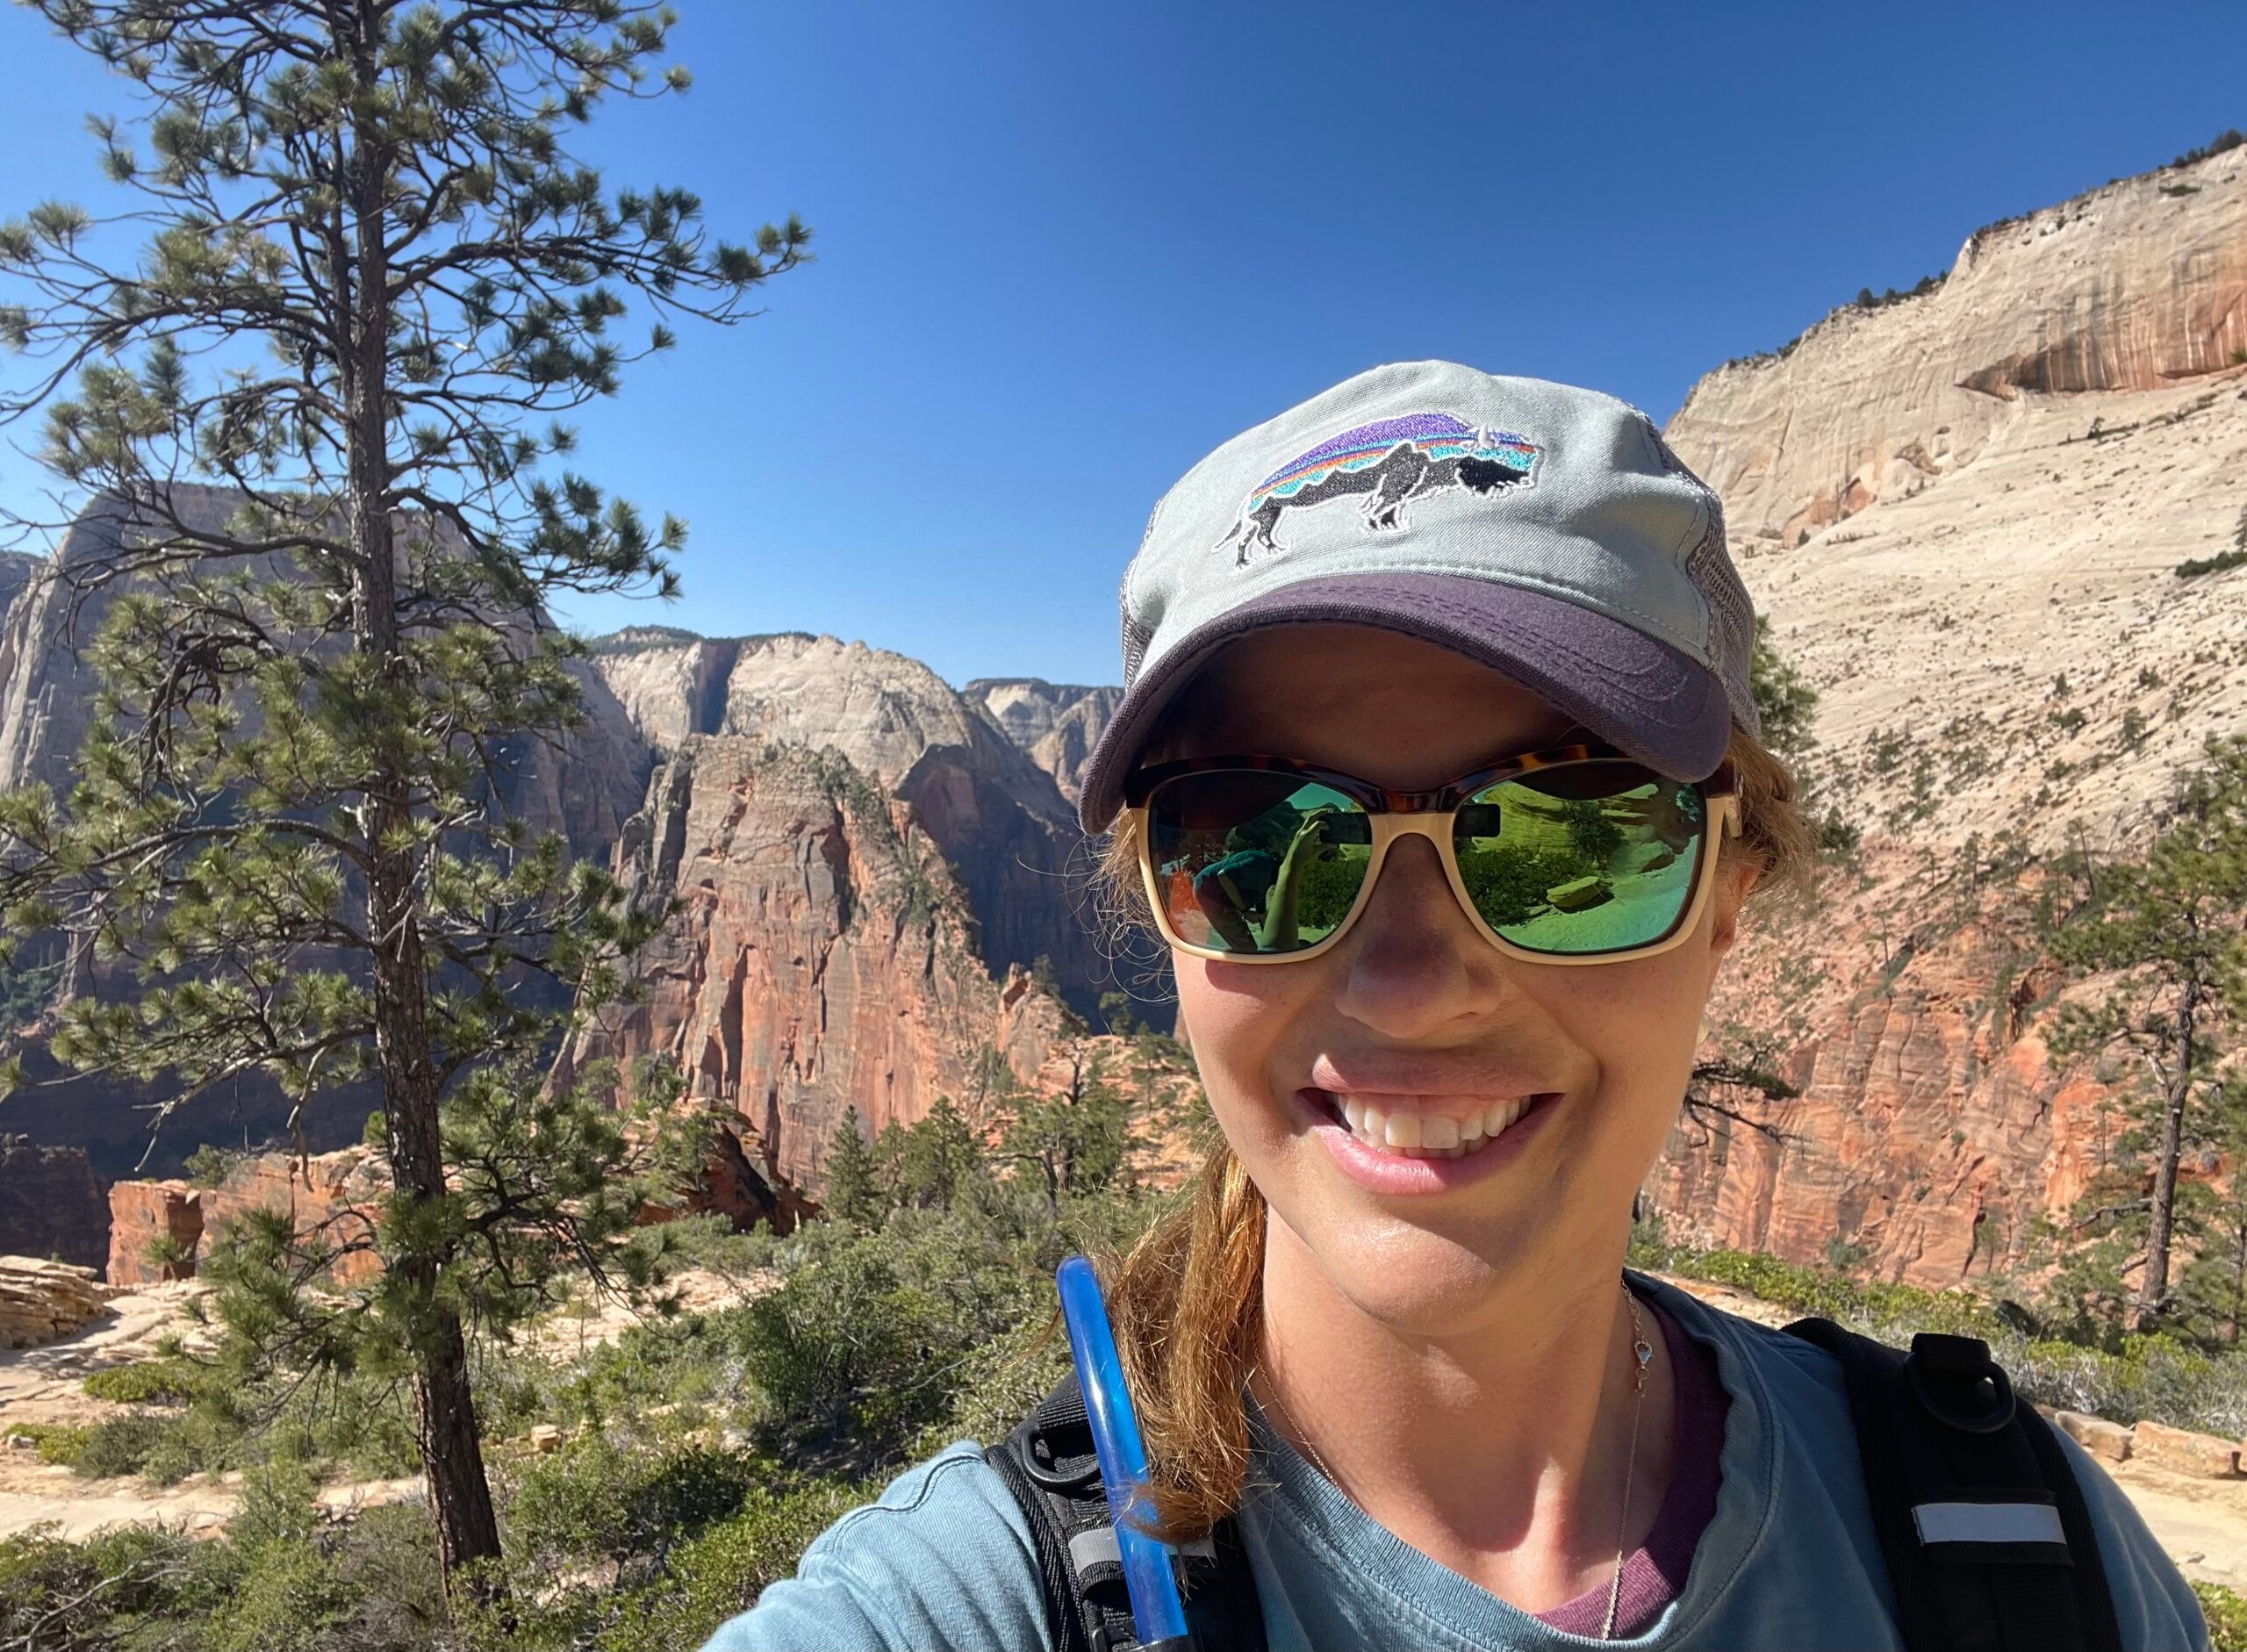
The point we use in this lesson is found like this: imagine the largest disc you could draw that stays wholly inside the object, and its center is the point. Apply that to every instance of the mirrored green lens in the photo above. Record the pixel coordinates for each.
(1251, 861)
(1583, 858)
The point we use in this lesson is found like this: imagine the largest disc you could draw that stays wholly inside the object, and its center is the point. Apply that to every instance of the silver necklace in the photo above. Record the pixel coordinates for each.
(1642, 1355)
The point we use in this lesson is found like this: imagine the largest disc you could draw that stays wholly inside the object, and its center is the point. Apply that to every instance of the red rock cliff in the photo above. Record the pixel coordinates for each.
(825, 956)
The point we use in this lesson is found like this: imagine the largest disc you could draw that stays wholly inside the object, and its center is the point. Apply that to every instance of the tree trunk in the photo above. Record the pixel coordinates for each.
(2238, 1275)
(2153, 1290)
(445, 1425)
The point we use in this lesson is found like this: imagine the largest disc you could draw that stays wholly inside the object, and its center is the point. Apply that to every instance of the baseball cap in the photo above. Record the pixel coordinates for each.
(1545, 531)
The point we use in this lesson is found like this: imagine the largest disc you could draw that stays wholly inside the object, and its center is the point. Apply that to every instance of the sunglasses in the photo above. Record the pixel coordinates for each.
(1574, 855)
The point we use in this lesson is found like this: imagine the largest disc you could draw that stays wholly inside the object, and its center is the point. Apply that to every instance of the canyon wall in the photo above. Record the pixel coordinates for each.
(584, 789)
(1963, 514)
(826, 956)
(1056, 724)
(987, 806)
(2132, 287)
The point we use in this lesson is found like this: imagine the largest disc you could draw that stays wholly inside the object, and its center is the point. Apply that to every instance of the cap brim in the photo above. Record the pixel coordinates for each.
(1638, 693)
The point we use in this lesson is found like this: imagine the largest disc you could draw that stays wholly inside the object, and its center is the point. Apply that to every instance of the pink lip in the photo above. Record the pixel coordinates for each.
(1398, 1176)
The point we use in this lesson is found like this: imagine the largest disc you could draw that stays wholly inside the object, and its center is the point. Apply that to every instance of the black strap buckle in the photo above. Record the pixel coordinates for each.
(1959, 1384)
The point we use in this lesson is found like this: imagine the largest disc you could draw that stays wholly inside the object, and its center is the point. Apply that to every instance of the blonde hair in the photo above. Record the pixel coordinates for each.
(1186, 1300)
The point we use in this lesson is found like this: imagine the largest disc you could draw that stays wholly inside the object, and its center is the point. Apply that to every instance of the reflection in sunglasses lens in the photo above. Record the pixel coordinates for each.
(1253, 862)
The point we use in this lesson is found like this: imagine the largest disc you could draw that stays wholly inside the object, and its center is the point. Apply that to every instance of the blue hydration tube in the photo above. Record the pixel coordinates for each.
(1149, 1564)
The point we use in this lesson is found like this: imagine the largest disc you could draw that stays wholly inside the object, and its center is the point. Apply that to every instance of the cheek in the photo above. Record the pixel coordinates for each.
(1642, 1022)
(1239, 1019)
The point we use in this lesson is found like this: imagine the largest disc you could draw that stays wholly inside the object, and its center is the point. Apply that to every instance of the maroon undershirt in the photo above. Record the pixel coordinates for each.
(1654, 1574)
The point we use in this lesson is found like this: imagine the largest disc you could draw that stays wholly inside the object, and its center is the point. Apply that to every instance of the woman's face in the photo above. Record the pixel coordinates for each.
(1412, 1012)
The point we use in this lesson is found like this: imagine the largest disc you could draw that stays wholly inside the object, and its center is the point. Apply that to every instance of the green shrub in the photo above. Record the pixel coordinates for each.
(58, 1594)
(123, 1445)
(289, 1598)
(2221, 562)
(60, 1444)
(2227, 1616)
(721, 1571)
(143, 1383)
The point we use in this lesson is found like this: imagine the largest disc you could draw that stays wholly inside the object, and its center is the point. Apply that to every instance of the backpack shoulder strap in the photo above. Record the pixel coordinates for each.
(1989, 1543)
(1049, 1464)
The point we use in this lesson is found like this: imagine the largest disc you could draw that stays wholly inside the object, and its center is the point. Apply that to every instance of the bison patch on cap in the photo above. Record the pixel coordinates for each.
(1386, 465)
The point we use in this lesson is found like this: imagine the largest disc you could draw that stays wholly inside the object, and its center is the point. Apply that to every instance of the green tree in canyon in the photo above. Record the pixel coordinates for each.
(2162, 931)
(310, 380)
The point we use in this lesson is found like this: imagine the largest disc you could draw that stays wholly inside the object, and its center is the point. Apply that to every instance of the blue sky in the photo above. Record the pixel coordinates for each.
(1064, 250)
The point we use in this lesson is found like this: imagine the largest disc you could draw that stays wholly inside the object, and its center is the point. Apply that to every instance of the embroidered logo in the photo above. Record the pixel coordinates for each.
(1388, 464)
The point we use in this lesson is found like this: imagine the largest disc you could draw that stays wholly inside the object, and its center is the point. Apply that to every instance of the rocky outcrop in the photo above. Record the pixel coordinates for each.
(1056, 724)
(2001, 644)
(825, 956)
(2136, 286)
(50, 1204)
(43, 1302)
(993, 812)
(333, 1196)
(155, 1232)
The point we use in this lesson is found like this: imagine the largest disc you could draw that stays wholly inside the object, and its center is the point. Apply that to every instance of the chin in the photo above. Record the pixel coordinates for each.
(1426, 1279)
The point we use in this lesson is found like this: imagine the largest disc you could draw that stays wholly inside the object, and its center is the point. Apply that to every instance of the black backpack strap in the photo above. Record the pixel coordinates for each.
(1049, 1464)
(1989, 1543)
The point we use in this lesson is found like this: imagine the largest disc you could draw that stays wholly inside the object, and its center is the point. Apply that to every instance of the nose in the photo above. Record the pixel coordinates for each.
(1413, 965)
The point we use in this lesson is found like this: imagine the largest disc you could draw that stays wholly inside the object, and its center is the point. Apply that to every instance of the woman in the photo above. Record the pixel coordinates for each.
(1467, 657)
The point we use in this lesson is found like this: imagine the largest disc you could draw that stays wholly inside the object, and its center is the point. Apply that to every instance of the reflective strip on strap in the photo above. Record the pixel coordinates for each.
(1988, 1523)
(1096, 1546)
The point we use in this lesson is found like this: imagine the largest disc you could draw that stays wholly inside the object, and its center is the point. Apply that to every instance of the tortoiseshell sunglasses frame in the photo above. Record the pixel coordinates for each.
(1393, 814)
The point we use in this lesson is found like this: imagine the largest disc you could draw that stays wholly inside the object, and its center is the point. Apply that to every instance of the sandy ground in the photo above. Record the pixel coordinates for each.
(46, 1385)
(2202, 1523)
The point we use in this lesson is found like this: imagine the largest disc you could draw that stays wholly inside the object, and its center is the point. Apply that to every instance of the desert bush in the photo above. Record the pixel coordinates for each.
(2226, 1615)
(602, 1498)
(143, 1383)
(83, 1594)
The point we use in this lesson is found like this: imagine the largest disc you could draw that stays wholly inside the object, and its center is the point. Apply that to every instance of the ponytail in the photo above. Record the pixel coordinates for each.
(1187, 1304)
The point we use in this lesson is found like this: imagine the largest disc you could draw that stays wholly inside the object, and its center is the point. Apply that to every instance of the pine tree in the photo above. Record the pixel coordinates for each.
(1077, 1141)
(854, 1190)
(936, 1162)
(316, 410)
(2168, 925)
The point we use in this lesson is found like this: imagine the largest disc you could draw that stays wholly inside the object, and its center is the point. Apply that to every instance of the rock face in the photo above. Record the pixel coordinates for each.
(50, 1204)
(826, 956)
(1999, 480)
(584, 791)
(995, 815)
(335, 1195)
(155, 1232)
(1056, 724)
(2136, 286)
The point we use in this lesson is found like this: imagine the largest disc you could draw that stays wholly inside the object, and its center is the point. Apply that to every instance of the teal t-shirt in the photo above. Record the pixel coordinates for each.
(944, 1559)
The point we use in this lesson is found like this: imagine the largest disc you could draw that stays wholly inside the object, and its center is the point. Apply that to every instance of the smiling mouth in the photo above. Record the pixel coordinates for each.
(1416, 1134)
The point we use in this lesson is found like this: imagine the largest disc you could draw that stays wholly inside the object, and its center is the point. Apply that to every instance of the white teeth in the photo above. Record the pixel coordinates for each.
(1429, 1135)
